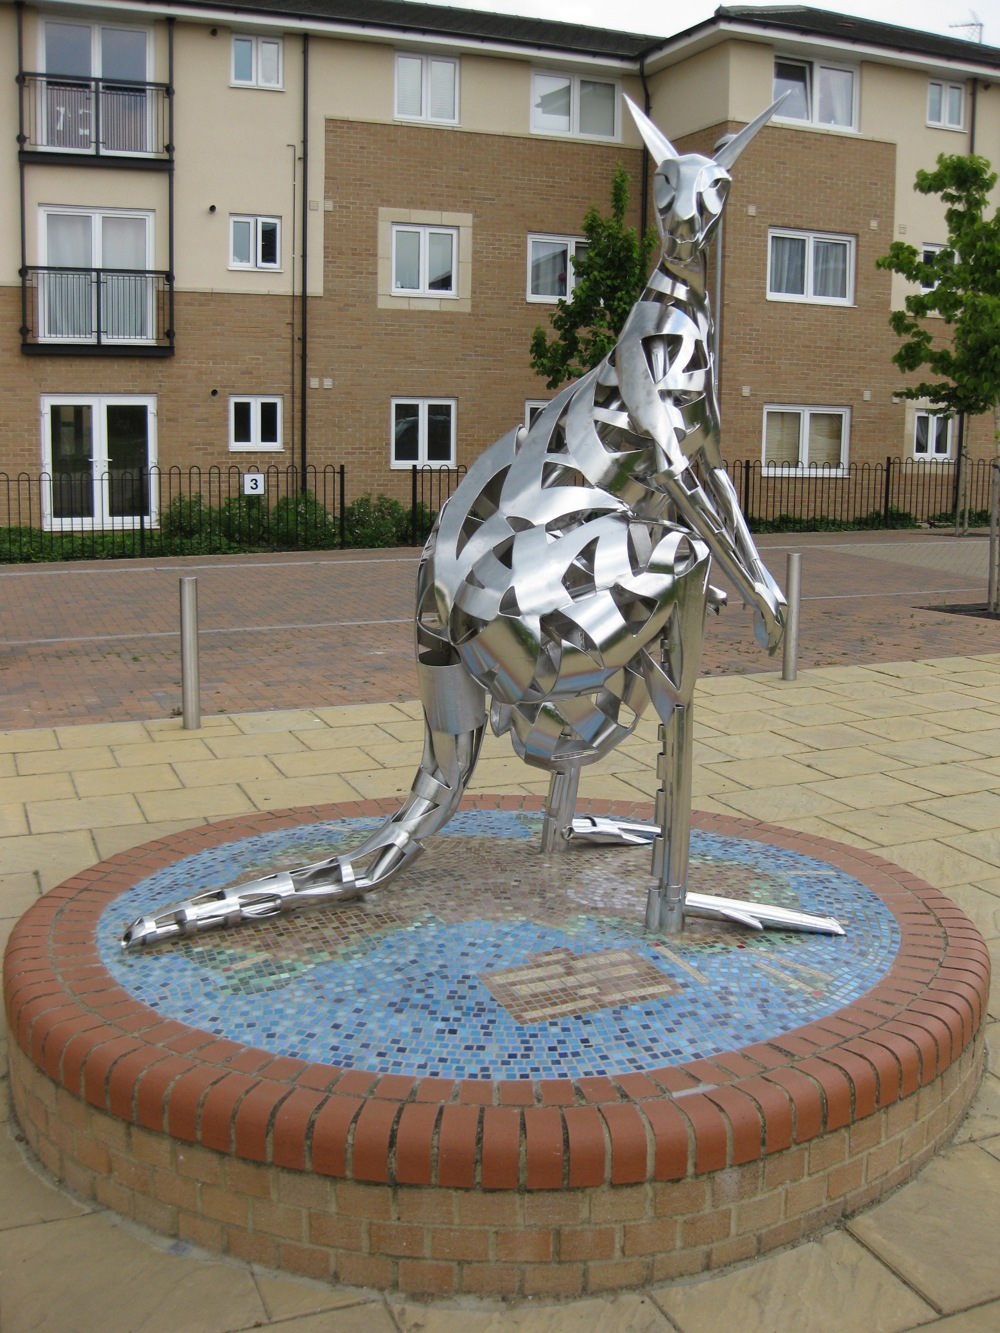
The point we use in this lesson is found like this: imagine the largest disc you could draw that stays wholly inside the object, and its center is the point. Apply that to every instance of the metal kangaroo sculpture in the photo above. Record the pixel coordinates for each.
(567, 580)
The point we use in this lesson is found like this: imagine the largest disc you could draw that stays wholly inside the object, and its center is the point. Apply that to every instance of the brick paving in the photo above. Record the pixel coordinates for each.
(98, 641)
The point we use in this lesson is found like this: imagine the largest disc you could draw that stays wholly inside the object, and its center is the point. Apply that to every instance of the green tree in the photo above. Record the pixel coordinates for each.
(608, 278)
(961, 284)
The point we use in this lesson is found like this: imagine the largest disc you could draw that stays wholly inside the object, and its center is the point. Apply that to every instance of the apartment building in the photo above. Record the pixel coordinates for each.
(313, 234)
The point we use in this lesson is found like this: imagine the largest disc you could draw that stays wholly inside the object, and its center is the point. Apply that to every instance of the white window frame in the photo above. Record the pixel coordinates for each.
(97, 217)
(814, 70)
(572, 243)
(255, 220)
(254, 445)
(255, 80)
(574, 131)
(101, 521)
(425, 231)
(532, 408)
(96, 72)
(811, 237)
(421, 460)
(929, 248)
(946, 87)
(803, 466)
(948, 420)
(426, 63)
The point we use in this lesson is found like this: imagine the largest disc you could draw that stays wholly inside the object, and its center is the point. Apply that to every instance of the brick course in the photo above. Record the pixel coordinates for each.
(667, 1173)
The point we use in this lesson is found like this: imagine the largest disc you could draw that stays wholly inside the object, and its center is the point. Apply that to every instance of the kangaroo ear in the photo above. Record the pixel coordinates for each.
(659, 145)
(727, 155)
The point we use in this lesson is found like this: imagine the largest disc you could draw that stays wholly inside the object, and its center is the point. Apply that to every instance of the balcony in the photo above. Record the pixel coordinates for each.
(75, 120)
(96, 312)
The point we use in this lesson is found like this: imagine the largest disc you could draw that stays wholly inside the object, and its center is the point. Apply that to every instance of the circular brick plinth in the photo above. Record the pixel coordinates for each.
(552, 1185)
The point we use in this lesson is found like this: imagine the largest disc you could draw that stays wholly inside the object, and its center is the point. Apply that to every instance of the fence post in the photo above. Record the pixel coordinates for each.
(746, 489)
(793, 591)
(887, 493)
(190, 674)
(413, 506)
(994, 583)
(341, 492)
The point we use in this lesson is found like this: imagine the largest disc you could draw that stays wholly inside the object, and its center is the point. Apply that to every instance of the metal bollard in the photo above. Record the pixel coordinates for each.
(190, 673)
(793, 591)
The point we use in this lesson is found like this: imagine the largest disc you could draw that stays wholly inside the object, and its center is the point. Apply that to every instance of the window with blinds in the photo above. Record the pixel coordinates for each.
(426, 89)
(806, 437)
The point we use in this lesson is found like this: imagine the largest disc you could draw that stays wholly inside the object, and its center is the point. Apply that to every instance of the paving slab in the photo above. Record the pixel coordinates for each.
(940, 1233)
(832, 1283)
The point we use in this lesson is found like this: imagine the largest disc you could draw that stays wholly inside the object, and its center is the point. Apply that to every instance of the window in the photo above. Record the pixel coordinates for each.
(256, 61)
(423, 431)
(426, 89)
(928, 255)
(95, 285)
(254, 242)
(810, 266)
(424, 260)
(806, 437)
(97, 455)
(92, 99)
(932, 436)
(550, 266)
(821, 94)
(945, 105)
(571, 104)
(532, 407)
(255, 424)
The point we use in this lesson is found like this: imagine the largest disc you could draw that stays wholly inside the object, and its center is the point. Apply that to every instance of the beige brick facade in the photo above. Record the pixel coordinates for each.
(239, 333)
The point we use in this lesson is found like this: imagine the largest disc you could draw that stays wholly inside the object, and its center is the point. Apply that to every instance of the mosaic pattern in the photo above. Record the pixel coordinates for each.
(488, 961)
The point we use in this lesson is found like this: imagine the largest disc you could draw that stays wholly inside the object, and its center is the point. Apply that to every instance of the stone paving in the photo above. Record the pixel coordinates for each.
(901, 754)
(99, 639)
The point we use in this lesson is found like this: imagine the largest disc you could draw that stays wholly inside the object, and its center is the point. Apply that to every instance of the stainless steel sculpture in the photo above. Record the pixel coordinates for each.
(567, 579)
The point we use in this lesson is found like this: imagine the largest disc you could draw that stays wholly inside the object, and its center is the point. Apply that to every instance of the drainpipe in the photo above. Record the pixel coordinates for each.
(304, 284)
(647, 102)
(21, 141)
(171, 255)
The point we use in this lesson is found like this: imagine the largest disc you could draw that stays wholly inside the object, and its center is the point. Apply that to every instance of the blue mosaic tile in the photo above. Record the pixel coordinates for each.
(407, 981)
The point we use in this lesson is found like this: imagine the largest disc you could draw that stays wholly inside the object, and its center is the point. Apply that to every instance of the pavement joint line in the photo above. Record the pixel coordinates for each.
(235, 629)
(180, 569)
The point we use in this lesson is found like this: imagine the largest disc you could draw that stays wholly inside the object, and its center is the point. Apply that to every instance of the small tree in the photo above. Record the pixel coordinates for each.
(961, 283)
(609, 277)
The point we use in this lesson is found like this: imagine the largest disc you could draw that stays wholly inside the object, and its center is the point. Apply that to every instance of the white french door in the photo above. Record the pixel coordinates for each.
(98, 455)
(96, 286)
(94, 94)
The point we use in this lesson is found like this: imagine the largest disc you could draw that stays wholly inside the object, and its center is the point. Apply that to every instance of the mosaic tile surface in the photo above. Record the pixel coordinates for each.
(488, 961)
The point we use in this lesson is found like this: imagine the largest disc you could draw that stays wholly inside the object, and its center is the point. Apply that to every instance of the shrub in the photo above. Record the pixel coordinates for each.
(188, 516)
(301, 521)
(378, 521)
(245, 521)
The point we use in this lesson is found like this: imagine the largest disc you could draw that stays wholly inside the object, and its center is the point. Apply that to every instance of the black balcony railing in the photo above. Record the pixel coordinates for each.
(113, 311)
(93, 117)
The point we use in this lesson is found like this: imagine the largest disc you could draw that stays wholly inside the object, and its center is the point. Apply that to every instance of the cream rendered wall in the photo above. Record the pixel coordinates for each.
(686, 97)
(10, 223)
(896, 109)
(231, 151)
(95, 187)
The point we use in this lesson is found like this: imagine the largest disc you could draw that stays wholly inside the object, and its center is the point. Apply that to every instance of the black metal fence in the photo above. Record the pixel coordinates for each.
(901, 492)
(83, 514)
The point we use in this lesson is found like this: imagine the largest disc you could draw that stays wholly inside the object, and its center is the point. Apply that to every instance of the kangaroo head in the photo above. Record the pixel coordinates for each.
(689, 190)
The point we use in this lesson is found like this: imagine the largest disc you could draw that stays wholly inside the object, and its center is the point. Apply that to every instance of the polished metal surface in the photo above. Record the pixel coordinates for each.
(567, 579)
